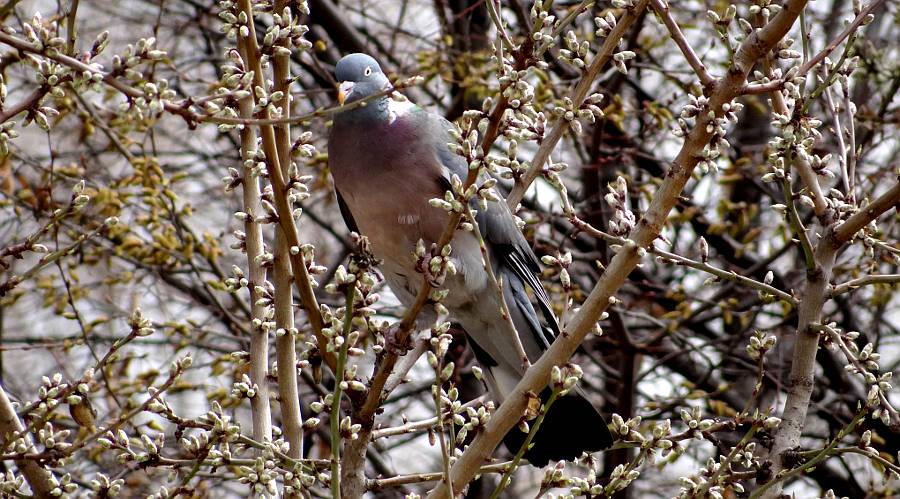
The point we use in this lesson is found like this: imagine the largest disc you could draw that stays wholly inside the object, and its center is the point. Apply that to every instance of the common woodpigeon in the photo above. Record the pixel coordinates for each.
(388, 159)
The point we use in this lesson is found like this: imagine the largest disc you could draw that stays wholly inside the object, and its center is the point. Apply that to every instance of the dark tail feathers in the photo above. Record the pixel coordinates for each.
(572, 426)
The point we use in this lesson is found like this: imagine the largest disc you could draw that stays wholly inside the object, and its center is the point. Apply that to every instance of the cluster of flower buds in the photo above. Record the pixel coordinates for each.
(134, 55)
(155, 97)
(348, 429)
(260, 477)
(563, 261)
(286, 31)
(473, 420)
(575, 53)
(524, 124)
(544, 21)
(309, 256)
(764, 8)
(7, 133)
(234, 20)
(588, 110)
(42, 34)
(760, 344)
(619, 59)
(62, 486)
(863, 362)
(722, 22)
(104, 487)
(589, 486)
(605, 24)
(452, 199)
(565, 378)
(304, 145)
(234, 85)
(623, 219)
(53, 439)
(620, 478)
(141, 326)
(555, 477)
(222, 424)
(244, 388)
(239, 280)
(627, 429)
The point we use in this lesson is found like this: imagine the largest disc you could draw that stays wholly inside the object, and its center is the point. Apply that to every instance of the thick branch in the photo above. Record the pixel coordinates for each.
(803, 364)
(253, 245)
(38, 477)
(302, 279)
(844, 232)
(285, 343)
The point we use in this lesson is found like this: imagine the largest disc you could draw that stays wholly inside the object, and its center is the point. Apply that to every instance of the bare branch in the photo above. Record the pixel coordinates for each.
(578, 94)
(846, 231)
(661, 7)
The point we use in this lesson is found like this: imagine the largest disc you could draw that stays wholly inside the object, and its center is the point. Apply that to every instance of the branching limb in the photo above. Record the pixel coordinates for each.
(777, 84)
(302, 279)
(548, 143)
(687, 262)
(803, 364)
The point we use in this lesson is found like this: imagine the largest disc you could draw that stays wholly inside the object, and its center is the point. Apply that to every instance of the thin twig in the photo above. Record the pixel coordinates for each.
(761, 88)
(662, 10)
(350, 296)
(864, 281)
(578, 94)
(687, 262)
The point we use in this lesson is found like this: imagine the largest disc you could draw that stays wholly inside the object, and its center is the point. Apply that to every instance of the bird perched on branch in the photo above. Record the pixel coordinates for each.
(388, 159)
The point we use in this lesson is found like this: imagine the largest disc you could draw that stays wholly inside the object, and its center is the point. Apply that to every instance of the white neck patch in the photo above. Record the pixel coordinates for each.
(398, 105)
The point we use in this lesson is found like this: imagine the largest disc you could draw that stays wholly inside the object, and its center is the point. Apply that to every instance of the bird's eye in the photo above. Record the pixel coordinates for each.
(368, 71)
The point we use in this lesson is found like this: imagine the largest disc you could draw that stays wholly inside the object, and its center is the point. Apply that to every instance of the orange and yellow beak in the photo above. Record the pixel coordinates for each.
(344, 91)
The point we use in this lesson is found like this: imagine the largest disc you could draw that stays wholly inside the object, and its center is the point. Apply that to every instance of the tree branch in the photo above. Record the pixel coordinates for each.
(577, 96)
(38, 477)
(662, 10)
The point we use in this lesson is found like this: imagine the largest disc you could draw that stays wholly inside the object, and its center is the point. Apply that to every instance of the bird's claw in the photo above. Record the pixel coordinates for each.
(394, 344)
(423, 266)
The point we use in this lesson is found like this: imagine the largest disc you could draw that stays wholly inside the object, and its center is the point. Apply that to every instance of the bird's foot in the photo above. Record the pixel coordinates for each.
(423, 266)
(394, 343)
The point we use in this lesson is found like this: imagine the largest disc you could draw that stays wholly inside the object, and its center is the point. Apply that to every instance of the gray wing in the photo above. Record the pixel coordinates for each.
(511, 255)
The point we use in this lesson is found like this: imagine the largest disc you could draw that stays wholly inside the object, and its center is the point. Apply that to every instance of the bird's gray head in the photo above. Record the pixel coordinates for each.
(360, 76)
